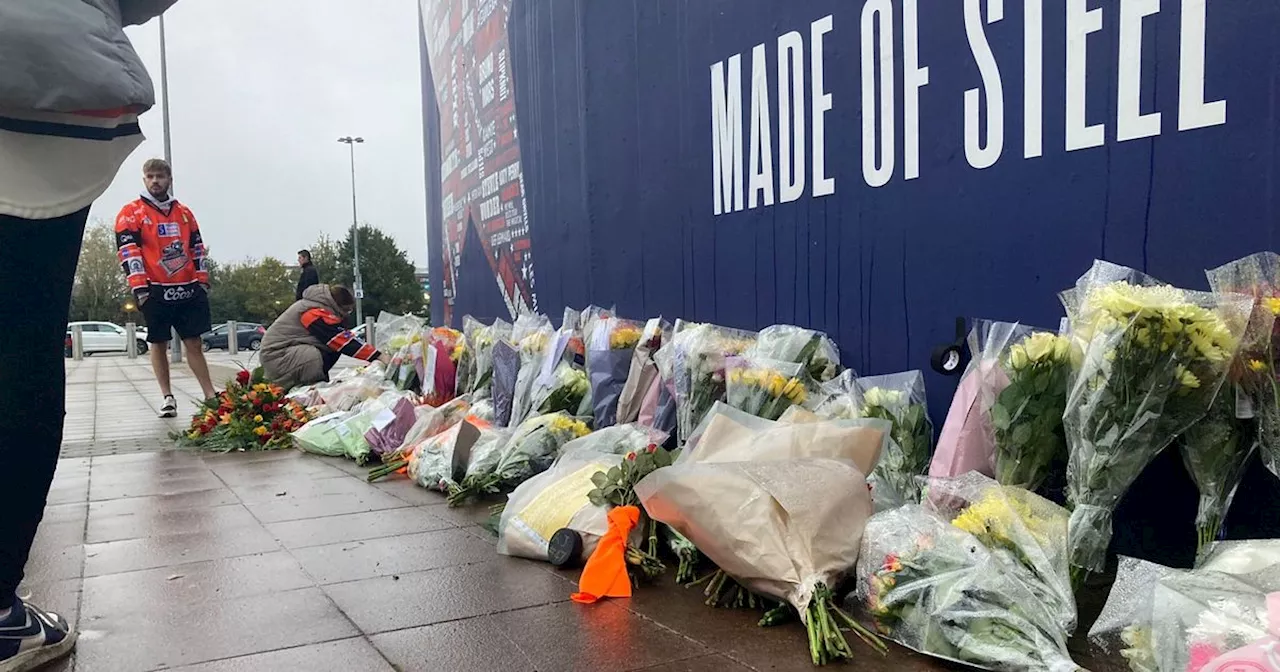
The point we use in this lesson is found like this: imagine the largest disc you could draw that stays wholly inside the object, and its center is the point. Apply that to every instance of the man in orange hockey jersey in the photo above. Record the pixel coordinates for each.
(163, 258)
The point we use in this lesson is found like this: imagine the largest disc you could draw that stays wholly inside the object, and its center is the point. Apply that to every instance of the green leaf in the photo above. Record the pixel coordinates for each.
(599, 479)
(615, 474)
(1021, 434)
(1000, 415)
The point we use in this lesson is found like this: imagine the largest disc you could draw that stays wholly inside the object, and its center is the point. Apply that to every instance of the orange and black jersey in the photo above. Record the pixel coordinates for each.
(327, 327)
(161, 250)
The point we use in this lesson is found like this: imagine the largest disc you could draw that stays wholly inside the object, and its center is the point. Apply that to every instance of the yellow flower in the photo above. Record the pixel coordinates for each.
(458, 351)
(1000, 514)
(193, 435)
(878, 396)
(1018, 358)
(1257, 365)
(257, 418)
(260, 430)
(1043, 345)
(1273, 304)
(794, 389)
(1186, 378)
(624, 337)
(225, 419)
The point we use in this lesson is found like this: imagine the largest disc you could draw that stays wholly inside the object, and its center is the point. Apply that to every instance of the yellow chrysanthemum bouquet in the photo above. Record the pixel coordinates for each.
(475, 367)
(765, 388)
(900, 399)
(1026, 415)
(1153, 358)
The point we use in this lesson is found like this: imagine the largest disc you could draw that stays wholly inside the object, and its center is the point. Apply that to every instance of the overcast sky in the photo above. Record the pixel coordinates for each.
(260, 93)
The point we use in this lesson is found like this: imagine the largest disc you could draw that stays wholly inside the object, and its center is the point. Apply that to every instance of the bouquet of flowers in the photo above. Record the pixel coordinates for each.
(813, 350)
(1026, 416)
(611, 346)
(642, 376)
(533, 336)
(390, 425)
(967, 440)
(981, 580)
(837, 399)
(438, 366)
(346, 391)
(566, 389)
(695, 362)
(402, 372)
(785, 529)
(441, 461)
(428, 421)
(531, 449)
(900, 399)
(1154, 357)
(765, 388)
(616, 440)
(1216, 451)
(476, 377)
(1255, 369)
(1220, 617)
(392, 332)
(340, 434)
(251, 414)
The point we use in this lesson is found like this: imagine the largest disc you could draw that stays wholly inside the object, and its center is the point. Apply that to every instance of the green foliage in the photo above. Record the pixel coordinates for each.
(617, 487)
(100, 291)
(252, 291)
(388, 274)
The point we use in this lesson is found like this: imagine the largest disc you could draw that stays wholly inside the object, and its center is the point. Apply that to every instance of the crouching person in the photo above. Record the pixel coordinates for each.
(305, 342)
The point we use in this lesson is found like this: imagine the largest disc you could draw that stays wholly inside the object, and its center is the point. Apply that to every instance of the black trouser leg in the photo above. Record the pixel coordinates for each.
(330, 358)
(37, 266)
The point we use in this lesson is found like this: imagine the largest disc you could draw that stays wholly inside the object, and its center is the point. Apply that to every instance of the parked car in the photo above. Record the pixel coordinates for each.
(105, 337)
(248, 337)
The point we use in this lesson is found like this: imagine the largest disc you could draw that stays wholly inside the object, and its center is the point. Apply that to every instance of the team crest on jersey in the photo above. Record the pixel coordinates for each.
(167, 230)
(174, 257)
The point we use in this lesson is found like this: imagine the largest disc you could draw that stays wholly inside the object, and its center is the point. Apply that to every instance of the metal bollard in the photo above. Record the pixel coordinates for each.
(369, 335)
(131, 336)
(233, 340)
(77, 342)
(175, 347)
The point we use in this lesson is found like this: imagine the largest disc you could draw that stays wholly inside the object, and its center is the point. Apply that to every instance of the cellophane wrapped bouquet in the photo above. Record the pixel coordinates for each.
(509, 354)
(813, 350)
(611, 347)
(442, 349)
(643, 377)
(1030, 445)
(477, 380)
(1153, 359)
(534, 335)
(1258, 276)
(1223, 616)
(440, 461)
(696, 362)
(392, 332)
(529, 451)
(779, 507)
(900, 399)
(765, 388)
(977, 574)
(428, 422)
(838, 398)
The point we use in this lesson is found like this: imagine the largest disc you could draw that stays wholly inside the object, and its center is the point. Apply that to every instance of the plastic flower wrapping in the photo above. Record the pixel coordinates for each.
(814, 350)
(441, 461)
(1030, 446)
(1258, 276)
(643, 376)
(900, 399)
(1222, 616)
(392, 332)
(530, 450)
(1153, 359)
(611, 346)
(532, 335)
(475, 372)
(428, 422)
(838, 398)
(977, 574)
(442, 349)
(765, 388)
(696, 362)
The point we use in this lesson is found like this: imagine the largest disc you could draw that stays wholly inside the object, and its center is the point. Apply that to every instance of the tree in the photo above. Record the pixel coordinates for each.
(100, 291)
(251, 291)
(389, 280)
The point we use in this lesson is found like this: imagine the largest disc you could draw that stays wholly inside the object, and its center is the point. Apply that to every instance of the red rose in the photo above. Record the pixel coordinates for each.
(653, 448)
(631, 456)
(243, 377)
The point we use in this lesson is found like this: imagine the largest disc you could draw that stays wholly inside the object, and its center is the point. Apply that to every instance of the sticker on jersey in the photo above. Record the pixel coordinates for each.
(135, 267)
(173, 257)
(168, 230)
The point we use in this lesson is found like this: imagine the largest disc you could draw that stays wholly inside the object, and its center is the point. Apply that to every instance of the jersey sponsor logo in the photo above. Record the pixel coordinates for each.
(173, 258)
(179, 293)
(168, 230)
(135, 267)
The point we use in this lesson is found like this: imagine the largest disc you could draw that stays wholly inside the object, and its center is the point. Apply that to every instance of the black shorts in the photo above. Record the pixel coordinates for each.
(190, 318)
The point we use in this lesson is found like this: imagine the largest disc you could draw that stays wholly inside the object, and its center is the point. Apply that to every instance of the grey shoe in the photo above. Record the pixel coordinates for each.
(169, 409)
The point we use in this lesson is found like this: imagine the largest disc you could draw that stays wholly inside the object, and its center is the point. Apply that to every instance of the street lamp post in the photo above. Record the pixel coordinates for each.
(175, 352)
(355, 229)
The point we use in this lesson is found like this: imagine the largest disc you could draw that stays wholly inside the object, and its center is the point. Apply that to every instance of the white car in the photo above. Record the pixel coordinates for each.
(105, 337)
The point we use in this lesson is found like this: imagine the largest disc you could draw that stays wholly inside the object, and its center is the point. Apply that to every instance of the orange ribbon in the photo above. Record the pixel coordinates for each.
(606, 572)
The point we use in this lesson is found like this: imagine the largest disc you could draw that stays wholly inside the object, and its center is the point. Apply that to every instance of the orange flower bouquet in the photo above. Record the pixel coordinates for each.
(251, 414)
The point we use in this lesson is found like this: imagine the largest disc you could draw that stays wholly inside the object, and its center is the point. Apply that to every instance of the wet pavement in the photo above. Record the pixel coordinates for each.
(284, 561)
